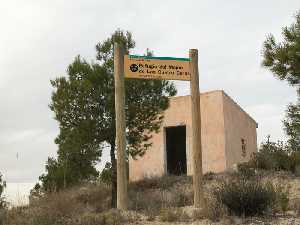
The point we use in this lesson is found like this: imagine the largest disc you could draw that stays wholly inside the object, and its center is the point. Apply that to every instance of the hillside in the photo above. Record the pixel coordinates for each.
(165, 200)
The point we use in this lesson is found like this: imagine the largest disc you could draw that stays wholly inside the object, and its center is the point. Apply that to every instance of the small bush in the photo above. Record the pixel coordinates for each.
(209, 175)
(245, 197)
(106, 174)
(246, 170)
(295, 157)
(275, 156)
(3, 203)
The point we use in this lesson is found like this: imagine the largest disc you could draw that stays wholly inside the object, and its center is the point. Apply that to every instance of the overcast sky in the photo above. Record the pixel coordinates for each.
(38, 39)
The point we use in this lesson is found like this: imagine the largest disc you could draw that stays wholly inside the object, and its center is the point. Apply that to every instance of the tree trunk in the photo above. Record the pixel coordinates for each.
(114, 176)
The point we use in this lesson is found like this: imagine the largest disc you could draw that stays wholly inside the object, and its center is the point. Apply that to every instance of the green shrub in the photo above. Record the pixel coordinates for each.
(272, 160)
(106, 174)
(246, 170)
(282, 160)
(275, 156)
(295, 157)
(245, 197)
(3, 203)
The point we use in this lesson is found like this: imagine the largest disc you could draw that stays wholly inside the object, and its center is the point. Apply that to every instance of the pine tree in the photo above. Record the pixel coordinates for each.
(83, 104)
(283, 59)
(3, 203)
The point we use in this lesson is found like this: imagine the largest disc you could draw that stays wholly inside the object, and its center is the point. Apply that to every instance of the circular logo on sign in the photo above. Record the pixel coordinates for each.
(134, 67)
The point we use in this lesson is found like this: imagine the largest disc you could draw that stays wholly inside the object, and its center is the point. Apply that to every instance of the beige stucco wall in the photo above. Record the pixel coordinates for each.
(214, 141)
(238, 125)
(212, 132)
(153, 162)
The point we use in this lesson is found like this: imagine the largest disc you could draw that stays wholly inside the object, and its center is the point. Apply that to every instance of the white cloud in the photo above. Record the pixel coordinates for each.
(268, 117)
(40, 38)
(23, 135)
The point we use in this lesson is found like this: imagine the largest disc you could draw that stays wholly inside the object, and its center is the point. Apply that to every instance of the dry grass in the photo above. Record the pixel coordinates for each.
(152, 195)
(163, 183)
(214, 210)
(61, 208)
(168, 198)
(173, 214)
(295, 205)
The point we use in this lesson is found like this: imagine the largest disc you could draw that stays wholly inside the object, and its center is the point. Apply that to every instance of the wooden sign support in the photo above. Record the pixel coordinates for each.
(120, 127)
(156, 68)
(196, 130)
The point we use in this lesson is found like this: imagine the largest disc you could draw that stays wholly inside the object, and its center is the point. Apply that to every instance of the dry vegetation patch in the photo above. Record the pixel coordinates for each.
(61, 208)
(164, 200)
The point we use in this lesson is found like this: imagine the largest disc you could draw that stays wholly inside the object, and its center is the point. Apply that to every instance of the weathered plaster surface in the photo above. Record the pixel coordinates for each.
(224, 123)
(238, 125)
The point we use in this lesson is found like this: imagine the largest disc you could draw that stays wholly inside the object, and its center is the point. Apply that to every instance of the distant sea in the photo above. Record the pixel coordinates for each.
(18, 193)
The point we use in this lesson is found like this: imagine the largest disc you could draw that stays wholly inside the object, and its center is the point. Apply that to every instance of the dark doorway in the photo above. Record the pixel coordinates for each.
(176, 152)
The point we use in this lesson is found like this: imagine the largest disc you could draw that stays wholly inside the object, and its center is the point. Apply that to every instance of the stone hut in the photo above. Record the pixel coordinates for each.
(228, 137)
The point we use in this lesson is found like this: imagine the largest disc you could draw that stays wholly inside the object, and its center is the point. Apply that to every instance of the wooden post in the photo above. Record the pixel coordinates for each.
(196, 130)
(120, 126)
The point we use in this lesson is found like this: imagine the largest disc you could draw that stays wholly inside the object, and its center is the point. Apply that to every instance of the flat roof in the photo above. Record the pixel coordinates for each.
(225, 94)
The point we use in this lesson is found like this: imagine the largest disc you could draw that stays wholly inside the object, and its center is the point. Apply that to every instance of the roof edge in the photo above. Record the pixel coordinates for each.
(201, 93)
(231, 99)
(225, 94)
